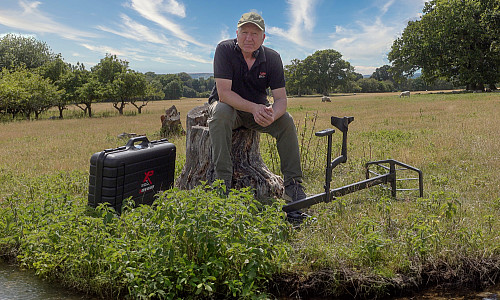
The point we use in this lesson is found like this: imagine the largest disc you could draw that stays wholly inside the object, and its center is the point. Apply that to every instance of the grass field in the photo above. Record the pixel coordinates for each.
(365, 243)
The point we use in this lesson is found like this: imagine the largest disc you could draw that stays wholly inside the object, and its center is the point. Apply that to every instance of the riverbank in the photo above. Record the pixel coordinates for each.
(366, 244)
(25, 285)
(491, 293)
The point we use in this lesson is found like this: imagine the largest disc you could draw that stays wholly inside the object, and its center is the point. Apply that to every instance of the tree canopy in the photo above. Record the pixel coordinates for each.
(326, 70)
(457, 40)
(323, 71)
(382, 73)
(25, 93)
(296, 77)
(17, 50)
(33, 79)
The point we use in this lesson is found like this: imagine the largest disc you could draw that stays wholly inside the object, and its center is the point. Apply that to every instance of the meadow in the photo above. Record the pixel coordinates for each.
(365, 244)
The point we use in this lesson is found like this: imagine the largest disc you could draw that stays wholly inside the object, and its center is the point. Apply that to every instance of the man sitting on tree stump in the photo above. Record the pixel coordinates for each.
(243, 70)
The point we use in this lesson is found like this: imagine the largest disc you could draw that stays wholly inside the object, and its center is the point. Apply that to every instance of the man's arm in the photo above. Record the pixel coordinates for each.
(262, 114)
(280, 102)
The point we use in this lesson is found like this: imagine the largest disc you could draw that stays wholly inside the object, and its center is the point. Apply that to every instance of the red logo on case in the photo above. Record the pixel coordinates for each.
(148, 175)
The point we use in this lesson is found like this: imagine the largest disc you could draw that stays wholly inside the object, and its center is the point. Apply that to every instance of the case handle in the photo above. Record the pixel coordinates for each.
(132, 142)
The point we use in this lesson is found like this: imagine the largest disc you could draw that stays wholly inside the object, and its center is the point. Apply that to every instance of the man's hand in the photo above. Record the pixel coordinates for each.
(263, 115)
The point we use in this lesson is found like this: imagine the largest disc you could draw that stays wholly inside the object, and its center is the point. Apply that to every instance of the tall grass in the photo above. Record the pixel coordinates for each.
(365, 243)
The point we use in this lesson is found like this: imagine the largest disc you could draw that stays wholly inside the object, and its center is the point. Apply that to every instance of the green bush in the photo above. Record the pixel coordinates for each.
(197, 243)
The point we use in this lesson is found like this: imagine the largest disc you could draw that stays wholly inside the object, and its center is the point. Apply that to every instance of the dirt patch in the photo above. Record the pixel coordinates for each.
(467, 276)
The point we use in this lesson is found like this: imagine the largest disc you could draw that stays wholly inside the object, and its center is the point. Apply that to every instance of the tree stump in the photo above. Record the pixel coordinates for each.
(249, 170)
(171, 123)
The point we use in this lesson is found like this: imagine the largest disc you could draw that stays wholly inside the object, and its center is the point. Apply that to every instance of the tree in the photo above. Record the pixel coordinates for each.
(172, 85)
(382, 73)
(154, 91)
(455, 39)
(131, 87)
(150, 76)
(188, 92)
(17, 50)
(186, 79)
(351, 86)
(357, 76)
(55, 71)
(173, 90)
(209, 84)
(325, 70)
(371, 85)
(70, 81)
(25, 92)
(295, 77)
(12, 91)
(88, 90)
(107, 73)
(128, 85)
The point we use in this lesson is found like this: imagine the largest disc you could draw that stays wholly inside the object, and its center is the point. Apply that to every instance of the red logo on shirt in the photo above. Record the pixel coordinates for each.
(262, 75)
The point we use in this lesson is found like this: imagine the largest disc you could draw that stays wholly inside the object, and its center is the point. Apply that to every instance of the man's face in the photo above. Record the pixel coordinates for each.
(249, 37)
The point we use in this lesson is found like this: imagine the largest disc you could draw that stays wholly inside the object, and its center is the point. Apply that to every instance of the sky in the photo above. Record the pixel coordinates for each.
(173, 36)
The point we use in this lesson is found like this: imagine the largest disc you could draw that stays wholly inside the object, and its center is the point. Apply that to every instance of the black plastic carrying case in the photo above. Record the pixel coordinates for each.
(140, 169)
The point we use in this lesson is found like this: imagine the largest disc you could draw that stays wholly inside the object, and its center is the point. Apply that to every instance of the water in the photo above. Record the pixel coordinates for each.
(492, 293)
(16, 284)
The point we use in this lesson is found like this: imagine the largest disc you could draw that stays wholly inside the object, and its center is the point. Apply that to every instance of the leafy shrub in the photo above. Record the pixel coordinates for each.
(205, 244)
(197, 243)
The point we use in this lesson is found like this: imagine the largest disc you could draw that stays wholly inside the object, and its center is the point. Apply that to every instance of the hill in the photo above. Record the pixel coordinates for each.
(200, 75)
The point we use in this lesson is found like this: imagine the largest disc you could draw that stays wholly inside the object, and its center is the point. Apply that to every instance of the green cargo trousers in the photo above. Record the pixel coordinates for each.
(223, 118)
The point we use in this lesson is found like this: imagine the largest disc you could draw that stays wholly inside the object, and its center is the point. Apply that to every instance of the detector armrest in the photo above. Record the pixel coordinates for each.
(342, 124)
(325, 132)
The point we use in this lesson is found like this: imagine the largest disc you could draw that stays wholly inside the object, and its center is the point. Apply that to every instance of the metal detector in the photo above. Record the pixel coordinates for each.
(387, 179)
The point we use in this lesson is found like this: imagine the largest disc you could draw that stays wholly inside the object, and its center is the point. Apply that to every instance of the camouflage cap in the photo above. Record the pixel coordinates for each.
(254, 18)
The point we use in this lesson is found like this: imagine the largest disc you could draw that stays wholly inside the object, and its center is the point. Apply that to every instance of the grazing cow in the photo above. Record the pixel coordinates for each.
(404, 94)
(325, 99)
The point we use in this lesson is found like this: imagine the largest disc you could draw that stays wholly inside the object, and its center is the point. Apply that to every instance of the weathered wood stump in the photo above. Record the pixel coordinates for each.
(171, 123)
(249, 170)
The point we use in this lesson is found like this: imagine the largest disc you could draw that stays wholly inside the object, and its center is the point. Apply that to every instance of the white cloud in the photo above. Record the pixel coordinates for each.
(301, 14)
(386, 6)
(339, 29)
(365, 70)
(175, 8)
(103, 49)
(128, 54)
(224, 34)
(160, 53)
(370, 40)
(367, 40)
(136, 31)
(31, 18)
(161, 60)
(191, 57)
(160, 49)
(153, 10)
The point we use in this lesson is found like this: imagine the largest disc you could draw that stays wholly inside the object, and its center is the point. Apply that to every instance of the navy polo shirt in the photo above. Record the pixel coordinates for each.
(267, 71)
